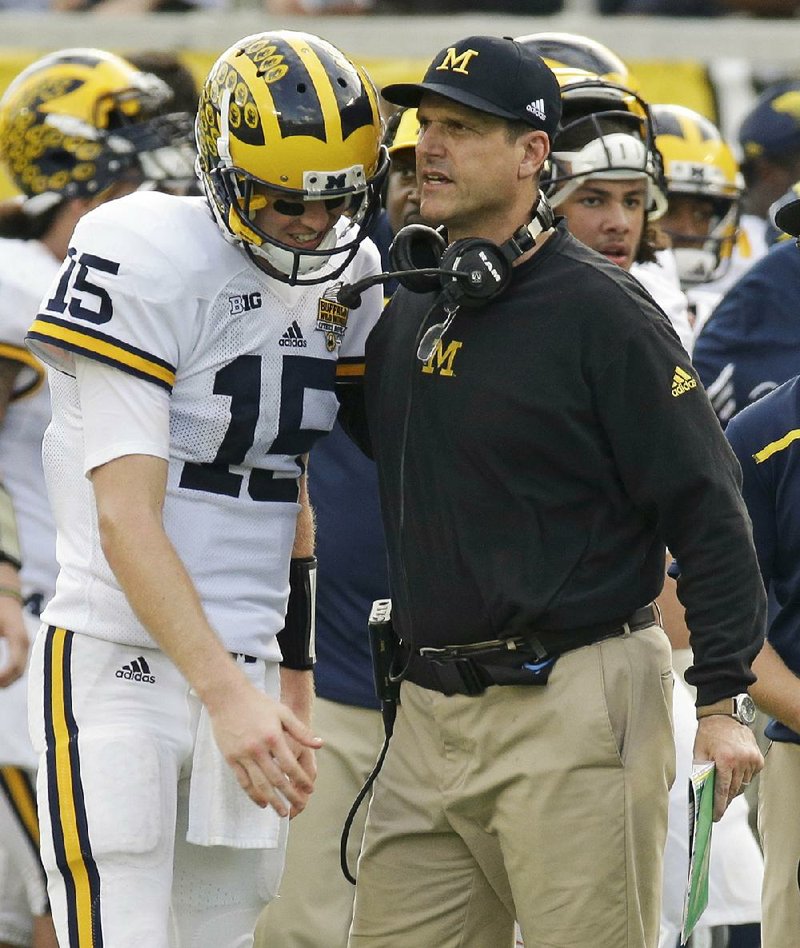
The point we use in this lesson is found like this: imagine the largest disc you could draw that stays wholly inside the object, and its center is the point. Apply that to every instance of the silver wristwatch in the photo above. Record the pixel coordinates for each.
(741, 708)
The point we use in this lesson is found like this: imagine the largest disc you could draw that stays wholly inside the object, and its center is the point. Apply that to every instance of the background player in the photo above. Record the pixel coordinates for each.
(704, 190)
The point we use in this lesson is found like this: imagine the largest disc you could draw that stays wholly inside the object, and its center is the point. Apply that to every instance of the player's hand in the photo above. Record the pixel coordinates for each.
(734, 750)
(253, 732)
(307, 758)
(12, 630)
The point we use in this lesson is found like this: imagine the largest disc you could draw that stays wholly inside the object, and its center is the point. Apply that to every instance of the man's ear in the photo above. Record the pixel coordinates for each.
(536, 148)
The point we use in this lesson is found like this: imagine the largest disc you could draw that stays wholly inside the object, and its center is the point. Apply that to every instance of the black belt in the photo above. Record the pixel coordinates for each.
(526, 659)
(247, 659)
(34, 604)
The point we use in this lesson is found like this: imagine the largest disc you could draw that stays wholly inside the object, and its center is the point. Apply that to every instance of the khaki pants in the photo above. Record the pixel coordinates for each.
(779, 826)
(544, 803)
(315, 901)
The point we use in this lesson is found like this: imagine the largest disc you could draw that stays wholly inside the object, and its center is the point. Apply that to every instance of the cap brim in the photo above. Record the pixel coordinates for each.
(410, 94)
(787, 218)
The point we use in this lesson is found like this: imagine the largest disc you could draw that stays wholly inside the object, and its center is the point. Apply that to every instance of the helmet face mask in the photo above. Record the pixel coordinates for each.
(605, 132)
(286, 118)
(78, 121)
(699, 167)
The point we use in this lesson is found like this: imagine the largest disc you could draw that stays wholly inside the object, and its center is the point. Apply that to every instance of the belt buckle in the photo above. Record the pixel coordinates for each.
(438, 654)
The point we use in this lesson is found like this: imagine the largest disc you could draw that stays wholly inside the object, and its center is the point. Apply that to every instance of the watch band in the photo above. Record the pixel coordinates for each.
(740, 707)
(725, 706)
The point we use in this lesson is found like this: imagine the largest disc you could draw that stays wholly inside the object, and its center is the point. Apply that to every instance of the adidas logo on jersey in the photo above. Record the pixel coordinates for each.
(138, 670)
(293, 337)
(682, 382)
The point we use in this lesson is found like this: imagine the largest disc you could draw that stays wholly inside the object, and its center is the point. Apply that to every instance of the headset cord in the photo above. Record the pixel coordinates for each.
(348, 823)
(401, 514)
(389, 708)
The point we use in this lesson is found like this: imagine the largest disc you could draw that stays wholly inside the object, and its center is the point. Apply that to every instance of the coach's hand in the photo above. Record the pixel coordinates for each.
(253, 731)
(734, 750)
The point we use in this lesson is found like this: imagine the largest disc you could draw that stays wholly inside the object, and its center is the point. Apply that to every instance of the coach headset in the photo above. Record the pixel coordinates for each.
(468, 273)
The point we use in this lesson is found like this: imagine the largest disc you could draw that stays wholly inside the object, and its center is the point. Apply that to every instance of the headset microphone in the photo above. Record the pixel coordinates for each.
(349, 294)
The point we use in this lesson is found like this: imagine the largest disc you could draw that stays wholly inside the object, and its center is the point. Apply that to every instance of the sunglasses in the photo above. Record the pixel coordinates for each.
(430, 341)
(298, 208)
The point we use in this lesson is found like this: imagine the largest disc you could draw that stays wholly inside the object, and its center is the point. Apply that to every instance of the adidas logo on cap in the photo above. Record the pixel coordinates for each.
(537, 108)
(293, 337)
(138, 670)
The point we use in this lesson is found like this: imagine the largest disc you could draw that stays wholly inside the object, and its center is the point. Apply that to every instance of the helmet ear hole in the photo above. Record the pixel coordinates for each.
(417, 247)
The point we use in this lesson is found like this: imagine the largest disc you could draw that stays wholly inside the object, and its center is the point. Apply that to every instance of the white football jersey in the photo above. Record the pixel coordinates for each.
(27, 268)
(153, 289)
(660, 279)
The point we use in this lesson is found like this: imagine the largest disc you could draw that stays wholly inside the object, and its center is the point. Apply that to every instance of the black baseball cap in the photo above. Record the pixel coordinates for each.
(787, 217)
(492, 74)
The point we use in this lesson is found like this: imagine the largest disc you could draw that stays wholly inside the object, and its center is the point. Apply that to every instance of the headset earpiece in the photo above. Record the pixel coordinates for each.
(484, 267)
(417, 247)
(487, 266)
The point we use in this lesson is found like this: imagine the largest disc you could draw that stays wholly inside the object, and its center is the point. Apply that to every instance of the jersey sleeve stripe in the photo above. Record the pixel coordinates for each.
(66, 803)
(96, 345)
(348, 369)
(775, 446)
(35, 377)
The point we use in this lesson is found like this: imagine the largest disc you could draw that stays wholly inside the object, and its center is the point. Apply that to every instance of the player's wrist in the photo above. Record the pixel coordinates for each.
(296, 638)
(218, 681)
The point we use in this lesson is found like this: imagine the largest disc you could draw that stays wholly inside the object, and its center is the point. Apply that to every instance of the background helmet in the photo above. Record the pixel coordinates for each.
(698, 162)
(76, 121)
(402, 131)
(605, 132)
(289, 112)
(579, 52)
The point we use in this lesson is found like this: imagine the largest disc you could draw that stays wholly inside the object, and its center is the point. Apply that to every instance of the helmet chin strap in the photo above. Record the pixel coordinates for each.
(296, 262)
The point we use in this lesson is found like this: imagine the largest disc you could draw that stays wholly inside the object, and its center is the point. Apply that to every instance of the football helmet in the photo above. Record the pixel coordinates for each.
(402, 131)
(605, 132)
(285, 116)
(78, 120)
(698, 163)
(579, 52)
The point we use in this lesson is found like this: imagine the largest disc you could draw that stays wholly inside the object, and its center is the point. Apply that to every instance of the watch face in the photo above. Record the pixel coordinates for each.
(745, 709)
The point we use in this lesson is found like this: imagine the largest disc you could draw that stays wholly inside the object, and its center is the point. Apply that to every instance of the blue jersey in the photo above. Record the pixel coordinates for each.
(351, 552)
(352, 570)
(766, 439)
(751, 343)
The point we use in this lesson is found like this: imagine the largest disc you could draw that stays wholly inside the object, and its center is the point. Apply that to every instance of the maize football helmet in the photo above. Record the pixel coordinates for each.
(289, 114)
(402, 131)
(579, 52)
(76, 121)
(605, 132)
(699, 164)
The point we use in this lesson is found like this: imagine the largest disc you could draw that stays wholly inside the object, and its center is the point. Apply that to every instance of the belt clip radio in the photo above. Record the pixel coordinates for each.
(383, 645)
